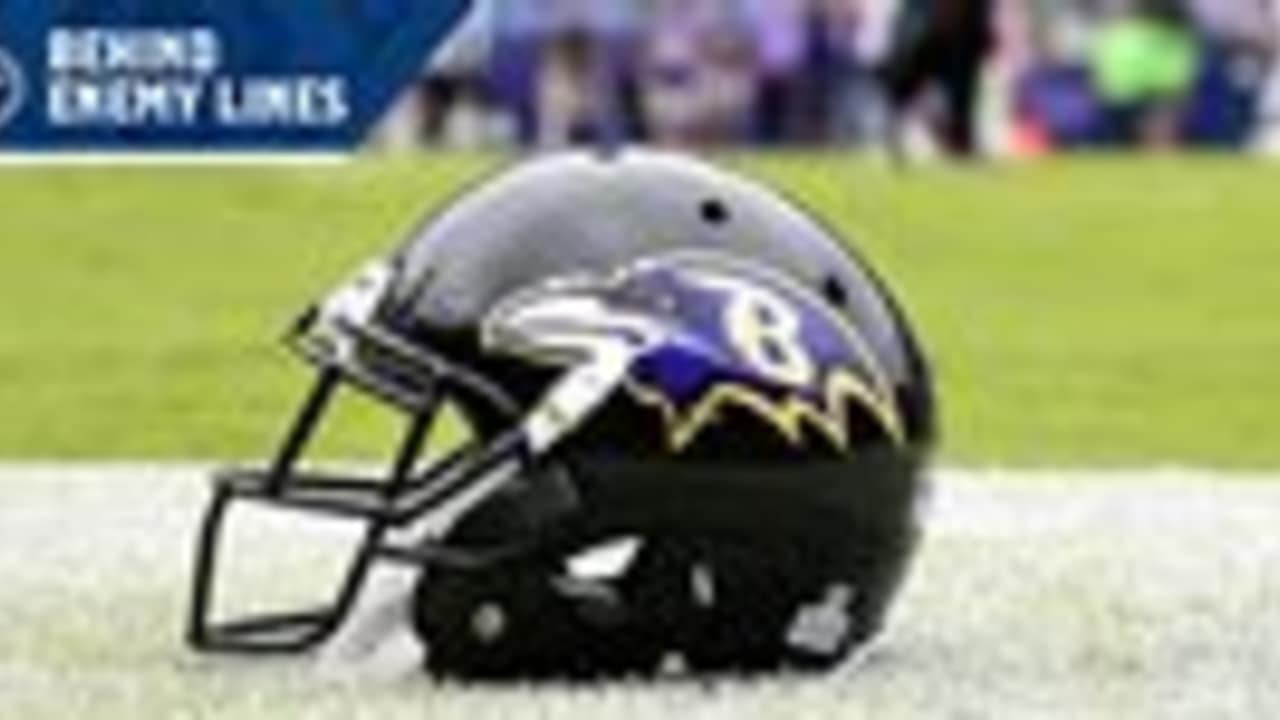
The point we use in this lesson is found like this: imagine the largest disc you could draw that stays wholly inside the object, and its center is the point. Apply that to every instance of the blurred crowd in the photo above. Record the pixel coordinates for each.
(959, 76)
(1154, 73)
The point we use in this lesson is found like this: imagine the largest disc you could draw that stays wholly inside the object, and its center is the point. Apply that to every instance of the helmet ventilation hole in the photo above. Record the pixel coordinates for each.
(715, 212)
(834, 291)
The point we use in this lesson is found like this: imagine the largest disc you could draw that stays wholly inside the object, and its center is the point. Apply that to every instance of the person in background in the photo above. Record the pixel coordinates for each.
(1239, 45)
(836, 102)
(700, 77)
(864, 114)
(942, 44)
(1142, 65)
(455, 105)
(1266, 134)
(781, 33)
(670, 72)
(562, 68)
(570, 109)
(729, 84)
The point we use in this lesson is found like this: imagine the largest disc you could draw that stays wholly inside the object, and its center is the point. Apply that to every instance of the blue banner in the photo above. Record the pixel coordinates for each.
(195, 75)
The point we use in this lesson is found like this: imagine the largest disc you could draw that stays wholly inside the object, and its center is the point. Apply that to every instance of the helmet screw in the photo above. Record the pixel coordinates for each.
(488, 622)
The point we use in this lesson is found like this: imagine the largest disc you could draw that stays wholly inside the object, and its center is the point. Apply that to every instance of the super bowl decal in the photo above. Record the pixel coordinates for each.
(707, 333)
(205, 74)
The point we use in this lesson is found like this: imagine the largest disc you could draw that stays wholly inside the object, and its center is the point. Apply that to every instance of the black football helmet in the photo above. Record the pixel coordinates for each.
(659, 362)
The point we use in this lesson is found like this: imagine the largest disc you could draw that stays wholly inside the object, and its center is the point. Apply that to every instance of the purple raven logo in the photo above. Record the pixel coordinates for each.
(704, 332)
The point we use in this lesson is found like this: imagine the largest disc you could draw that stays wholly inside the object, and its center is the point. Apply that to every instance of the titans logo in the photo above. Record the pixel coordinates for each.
(704, 332)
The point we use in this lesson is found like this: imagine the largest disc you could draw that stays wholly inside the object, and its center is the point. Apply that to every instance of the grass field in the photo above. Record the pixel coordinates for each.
(1050, 595)
(1095, 312)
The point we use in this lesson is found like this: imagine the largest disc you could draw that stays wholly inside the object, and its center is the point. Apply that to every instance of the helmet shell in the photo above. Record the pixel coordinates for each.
(852, 511)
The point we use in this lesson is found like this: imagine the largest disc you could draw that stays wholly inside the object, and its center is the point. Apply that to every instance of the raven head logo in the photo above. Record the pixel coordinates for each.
(704, 332)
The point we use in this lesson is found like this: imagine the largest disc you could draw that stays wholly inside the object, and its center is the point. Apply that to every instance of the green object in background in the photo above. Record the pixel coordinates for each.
(1095, 311)
(1139, 60)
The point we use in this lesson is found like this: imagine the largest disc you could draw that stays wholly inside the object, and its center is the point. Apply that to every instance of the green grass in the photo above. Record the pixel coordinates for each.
(1087, 312)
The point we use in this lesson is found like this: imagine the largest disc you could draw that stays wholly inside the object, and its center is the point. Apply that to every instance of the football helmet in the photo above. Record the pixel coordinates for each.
(659, 362)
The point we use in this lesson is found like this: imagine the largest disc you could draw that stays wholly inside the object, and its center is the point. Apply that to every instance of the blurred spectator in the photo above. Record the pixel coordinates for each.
(1143, 64)
(456, 105)
(569, 105)
(669, 72)
(730, 86)
(864, 112)
(1266, 135)
(942, 44)
(847, 42)
(583, 48)
(1239, 45)
(714, 72)
(701, 80)
(780, 32)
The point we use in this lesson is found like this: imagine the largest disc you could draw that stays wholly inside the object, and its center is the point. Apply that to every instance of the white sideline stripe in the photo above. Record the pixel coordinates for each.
(172, 159)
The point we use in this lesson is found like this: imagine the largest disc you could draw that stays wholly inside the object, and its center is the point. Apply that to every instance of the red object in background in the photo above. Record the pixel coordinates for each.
(1029, 138)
